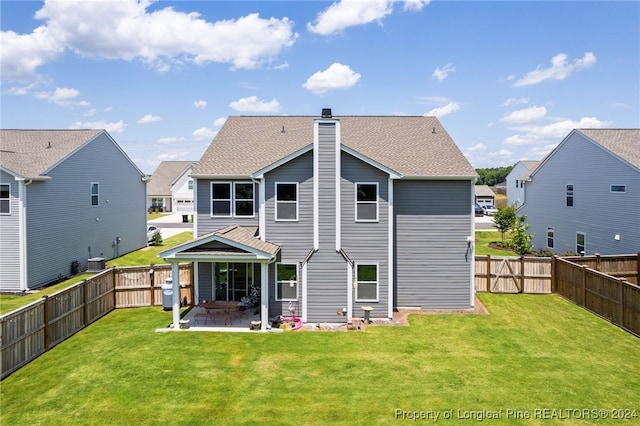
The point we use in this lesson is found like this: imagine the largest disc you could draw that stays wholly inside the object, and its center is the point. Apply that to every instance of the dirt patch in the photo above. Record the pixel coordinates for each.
(401, 317)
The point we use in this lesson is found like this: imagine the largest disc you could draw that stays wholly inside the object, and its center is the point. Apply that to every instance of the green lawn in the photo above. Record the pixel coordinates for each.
(144, 256)
(483, 238)
(532, 352)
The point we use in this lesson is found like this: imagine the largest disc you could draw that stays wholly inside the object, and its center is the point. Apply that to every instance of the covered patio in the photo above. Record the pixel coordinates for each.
(232, 245)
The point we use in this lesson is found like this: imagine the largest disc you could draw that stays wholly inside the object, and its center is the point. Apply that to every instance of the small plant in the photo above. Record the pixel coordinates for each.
(520, 238)
(156, 240)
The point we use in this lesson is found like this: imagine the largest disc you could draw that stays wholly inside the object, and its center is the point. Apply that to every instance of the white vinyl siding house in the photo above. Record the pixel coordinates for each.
(577, 210)
(171, 188)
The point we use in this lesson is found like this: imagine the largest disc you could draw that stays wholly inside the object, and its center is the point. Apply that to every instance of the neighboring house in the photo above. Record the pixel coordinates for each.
(65, 196)
(330, 214)
(485, 196)
(516, 179)
(584, 196)
(170, 188)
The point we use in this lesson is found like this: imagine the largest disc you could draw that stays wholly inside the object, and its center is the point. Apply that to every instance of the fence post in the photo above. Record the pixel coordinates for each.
(598, 260)
(623, 283)
(488, 284)
(45, 309)
(638, 269)
(554, 274)
(584, 285)
(152, 285)
(85, 302)
(521, 289)
(193, 283)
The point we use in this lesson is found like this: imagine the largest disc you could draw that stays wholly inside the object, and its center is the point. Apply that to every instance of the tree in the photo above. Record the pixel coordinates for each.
(505, 219)
(520, 238)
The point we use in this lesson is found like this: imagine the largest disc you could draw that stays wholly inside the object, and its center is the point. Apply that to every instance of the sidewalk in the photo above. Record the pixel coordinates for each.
(172, 224)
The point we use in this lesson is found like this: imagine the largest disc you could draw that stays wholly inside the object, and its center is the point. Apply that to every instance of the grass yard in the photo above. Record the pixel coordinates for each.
(532, 352)
(483, 238)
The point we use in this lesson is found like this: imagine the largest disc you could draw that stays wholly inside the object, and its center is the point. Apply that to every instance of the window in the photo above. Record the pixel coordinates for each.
(221, 199)
(580, 243)
(517, 183)
(5, 198)
(287, 201)
(618, 188)
(550, 237)
(286, 281)
(95, 194)
(366, 202)
(243, 199)
(569, 195)
(190, 184)
(366, 283)
(521, 184)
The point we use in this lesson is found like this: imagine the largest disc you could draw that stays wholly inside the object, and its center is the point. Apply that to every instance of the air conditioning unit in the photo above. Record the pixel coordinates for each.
(96, 264)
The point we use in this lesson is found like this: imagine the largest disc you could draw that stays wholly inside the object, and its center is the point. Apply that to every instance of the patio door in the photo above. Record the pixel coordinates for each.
(233, 280)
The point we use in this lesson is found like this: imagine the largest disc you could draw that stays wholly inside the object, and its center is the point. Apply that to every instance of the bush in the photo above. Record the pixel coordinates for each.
(156, 240)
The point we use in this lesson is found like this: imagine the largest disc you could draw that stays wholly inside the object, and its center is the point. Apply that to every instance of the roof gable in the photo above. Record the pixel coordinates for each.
(624, 143)
(165, 175)
(408, 146)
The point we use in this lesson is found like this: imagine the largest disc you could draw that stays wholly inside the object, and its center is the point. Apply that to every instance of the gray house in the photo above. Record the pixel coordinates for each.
(332, 214)
(66, 196)
(170, 188)
(584, 196)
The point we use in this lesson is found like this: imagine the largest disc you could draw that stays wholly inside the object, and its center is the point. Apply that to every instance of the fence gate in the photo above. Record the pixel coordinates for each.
(507, 278)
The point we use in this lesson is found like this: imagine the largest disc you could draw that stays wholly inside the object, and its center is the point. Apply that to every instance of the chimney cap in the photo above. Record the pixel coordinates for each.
(326, 113)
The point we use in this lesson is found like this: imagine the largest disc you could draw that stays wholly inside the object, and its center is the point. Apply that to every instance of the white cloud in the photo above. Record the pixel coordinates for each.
(337, 76)
(349, 13)
(515, 101)
(441, 73)
(477, 147)
(203, 133)
(219, 121)
(200, 104)
(112, 127)
(171, 140)
(125, 30)
(552, 132)
(525, 115)
(90, 113)
(447, 109)
(62, 96)
(253, 104)
(149, 119)
(559, 69)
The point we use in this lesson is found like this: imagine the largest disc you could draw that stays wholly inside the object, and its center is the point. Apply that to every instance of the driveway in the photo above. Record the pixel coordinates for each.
(485, 222)
(172, 224)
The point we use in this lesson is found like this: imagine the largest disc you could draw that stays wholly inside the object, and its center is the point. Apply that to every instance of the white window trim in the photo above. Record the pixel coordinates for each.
(211, 199)
(8, 200)
(287, 202)
(276, 295)
(553, 239)
(584, 238)
(97, 195)
(234, 199)
(618, 192)
(377, 202)
(566, 194)
(377, 281)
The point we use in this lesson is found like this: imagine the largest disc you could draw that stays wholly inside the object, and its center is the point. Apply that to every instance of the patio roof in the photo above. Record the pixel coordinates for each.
(233, 243)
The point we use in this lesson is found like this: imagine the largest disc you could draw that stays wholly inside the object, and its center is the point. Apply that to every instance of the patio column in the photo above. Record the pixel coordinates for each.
(175, 281)
(264, 295)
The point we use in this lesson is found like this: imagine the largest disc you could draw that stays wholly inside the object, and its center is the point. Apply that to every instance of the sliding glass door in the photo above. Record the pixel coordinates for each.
(233, 280)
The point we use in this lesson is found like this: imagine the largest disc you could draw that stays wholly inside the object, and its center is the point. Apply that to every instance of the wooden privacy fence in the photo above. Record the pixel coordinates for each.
(28, 332)
(501, 274)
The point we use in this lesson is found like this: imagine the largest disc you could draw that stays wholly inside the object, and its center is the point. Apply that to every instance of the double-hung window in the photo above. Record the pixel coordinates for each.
(569, 195)
(286, 201)
(95, 193)
(232, 199)
(366, 283)
(366, 202)
(580, 243)
(286, 281)
(5, 198)
(550, 237)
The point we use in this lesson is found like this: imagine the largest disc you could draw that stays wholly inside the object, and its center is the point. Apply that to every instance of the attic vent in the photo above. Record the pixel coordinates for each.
(326, 113)
(49, 145)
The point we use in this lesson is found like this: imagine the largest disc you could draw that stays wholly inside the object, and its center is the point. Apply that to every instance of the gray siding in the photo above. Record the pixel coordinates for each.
(596, 212)
(366, 242)
(10, 239)
(327, 270)
(205, 222)
(294, 238)
(62, 226)
(433, 265)
(205, 280)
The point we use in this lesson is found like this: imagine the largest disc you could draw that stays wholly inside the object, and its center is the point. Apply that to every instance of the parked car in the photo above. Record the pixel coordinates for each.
(490, 210)
(479, 211)
(151, 231)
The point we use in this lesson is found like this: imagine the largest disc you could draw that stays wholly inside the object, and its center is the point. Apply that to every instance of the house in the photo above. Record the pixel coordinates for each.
(515, 181)
(332, 214)
(584, 196)
(66, 196)
(484, 195)
(170, 188)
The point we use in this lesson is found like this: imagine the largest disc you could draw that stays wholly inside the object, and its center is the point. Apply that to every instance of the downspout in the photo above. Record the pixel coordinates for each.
(22, 231)
(262, 220)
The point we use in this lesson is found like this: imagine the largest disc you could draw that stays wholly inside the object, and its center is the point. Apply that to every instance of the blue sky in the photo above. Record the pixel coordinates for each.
(507, 79)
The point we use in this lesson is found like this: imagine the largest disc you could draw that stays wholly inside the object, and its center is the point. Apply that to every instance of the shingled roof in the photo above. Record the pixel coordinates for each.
(625, 143)
(31, 154)
(412, 146)
(165, 175)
